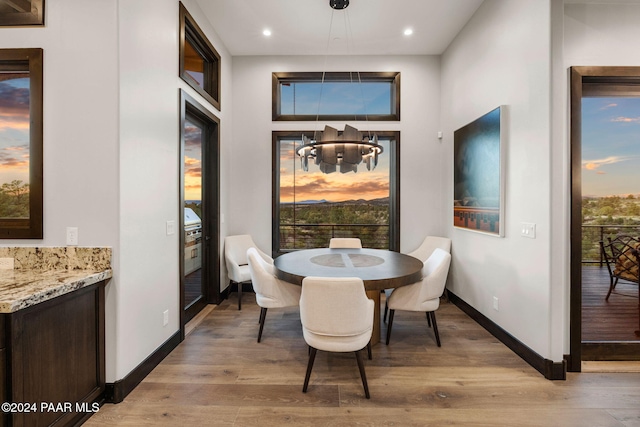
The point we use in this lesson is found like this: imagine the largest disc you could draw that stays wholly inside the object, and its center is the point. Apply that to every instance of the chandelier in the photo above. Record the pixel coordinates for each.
(344, 150)
(333, 150)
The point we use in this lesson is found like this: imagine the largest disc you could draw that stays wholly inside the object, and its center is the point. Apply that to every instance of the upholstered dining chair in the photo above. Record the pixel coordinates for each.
(428, 245)
(235, 255)
(425, 295)
(271, 292)
(345, 242)
(423, 252)
(336, 316)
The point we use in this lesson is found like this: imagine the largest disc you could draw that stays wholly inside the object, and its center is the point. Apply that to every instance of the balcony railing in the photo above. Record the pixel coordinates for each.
(593, 234)
(305, 236)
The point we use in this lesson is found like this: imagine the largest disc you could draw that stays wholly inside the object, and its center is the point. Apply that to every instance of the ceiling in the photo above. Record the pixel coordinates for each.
(302, 27)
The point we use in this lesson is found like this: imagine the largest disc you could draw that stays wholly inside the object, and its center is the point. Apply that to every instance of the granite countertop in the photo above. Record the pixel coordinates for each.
(41, 274)
(21, 289)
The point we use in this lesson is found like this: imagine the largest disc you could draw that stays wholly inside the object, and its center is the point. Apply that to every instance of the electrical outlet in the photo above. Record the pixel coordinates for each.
(165, 318)
(72, 236)
(495, 303)
(6, 263)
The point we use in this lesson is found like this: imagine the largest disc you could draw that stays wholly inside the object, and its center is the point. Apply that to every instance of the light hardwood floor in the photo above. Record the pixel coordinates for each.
(220, 375)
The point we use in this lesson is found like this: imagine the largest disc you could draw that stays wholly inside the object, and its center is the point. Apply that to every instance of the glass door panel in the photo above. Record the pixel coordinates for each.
(193, 202)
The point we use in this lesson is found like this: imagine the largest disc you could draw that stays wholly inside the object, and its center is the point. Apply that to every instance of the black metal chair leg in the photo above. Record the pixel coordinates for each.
(428, 319)
(239, 296)
(435, 327)
(263, 315)
(362, 374)
(386, 310)
(369, 350)
(612, 286)
(391, 313)
(312, 357)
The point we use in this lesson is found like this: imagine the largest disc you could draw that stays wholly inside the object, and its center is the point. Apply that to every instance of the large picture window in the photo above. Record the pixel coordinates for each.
(199, 61)
(21, 143)
(309, 208)
(336, 96)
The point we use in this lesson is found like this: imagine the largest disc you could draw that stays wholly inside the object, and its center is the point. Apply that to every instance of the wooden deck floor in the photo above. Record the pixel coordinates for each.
(612, 320)
(220, 375)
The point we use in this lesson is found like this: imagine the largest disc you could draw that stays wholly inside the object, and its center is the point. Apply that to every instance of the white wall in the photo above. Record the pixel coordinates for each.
(149, 168)
(250, 171)
(502, 57)
(601, 34)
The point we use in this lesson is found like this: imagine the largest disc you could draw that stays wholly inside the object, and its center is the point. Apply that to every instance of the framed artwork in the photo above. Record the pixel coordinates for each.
(21, 12)
(478, 199)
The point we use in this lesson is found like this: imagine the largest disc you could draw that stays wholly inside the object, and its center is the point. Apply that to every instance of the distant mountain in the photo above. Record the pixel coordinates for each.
(381, 201)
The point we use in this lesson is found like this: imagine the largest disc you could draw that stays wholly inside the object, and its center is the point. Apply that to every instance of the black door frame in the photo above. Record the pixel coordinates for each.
(210, 207)
(591, 80)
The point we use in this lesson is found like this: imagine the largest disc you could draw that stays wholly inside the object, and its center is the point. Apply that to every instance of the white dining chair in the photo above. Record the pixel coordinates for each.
(428, 245)
(345, 242)
(235, 254)
(423, 252)
(336, 316)
(271, 292)
(423, 296)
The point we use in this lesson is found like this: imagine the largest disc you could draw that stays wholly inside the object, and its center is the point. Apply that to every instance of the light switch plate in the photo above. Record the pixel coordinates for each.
(528, 229)
(171, 228)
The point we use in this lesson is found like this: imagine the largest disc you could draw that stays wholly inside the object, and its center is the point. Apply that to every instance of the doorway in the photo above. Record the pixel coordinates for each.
(199, 208)
(605, 193)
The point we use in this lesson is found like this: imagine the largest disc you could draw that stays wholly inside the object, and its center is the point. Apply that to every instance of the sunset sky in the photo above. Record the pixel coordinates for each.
(610, 146)
(192, 162)
(298, 185)
(14, 130)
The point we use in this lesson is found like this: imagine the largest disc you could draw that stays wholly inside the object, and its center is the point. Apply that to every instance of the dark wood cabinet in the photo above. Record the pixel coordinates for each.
(53, 358)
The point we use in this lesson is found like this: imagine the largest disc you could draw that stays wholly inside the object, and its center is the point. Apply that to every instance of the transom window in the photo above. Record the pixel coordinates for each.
(199, 61)
(336, 96)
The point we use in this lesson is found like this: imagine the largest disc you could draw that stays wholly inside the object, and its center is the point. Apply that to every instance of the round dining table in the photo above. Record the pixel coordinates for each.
(379, 269)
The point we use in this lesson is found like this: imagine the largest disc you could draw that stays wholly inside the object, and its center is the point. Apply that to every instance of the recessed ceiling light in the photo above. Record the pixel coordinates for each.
(267, 32)
(408, 32)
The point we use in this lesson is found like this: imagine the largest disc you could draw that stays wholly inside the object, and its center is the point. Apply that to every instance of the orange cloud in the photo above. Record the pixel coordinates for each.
(319, 186)
(595, 164)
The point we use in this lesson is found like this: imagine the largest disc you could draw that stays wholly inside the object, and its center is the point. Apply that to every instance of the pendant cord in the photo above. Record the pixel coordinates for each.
(364, 104)
(324, 71)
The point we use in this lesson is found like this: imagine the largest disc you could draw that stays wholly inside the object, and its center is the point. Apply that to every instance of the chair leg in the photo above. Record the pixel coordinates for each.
(386, 310)
(312, 358)
(369, 350)
(239, 296)
(435, 326)
(428, 319)
(362, 374)
(391, 313)
(612, 286)
(263, 315)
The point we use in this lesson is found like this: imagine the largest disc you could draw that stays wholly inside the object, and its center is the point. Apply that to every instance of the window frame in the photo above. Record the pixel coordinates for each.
(394, 186)
(33, 17)
(32, 60)
(190, 31)
(279, 77)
